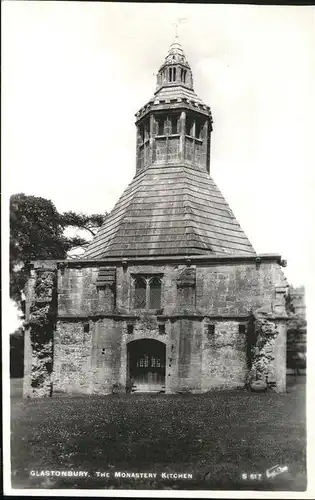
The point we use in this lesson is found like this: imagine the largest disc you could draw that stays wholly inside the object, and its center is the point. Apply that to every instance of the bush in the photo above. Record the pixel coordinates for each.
(258, 386)
(117, 388)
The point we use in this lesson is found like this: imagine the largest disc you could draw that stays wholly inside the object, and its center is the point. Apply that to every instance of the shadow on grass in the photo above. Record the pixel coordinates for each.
(216, 437)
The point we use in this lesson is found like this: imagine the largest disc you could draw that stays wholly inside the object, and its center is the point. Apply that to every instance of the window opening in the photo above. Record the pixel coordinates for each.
(162, 329)
(147, 293)
(160, 126)
(141, 156)
(155, 362)
(143, 362)
(86, 328)
(189, 126)
(174, 120)
(146, 130)
(211, 329)
(241, 328)
(141, 131)
(140, 293)
(168, 126)
(198, 129)
(130, 329)
(155, 294)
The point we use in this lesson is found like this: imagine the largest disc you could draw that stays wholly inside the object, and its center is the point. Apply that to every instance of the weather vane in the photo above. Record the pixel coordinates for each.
(180, 20)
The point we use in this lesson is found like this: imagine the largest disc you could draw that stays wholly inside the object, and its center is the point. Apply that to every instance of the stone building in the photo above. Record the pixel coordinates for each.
(170, 291)
(297, 332)
(297, 295)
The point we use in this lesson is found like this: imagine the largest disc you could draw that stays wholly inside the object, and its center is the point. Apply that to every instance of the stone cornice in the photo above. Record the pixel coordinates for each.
(162, 105)
(159, 317)
(162, 259)
(163, 317)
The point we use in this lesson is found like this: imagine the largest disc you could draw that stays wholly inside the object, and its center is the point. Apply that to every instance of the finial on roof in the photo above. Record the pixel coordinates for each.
(175, 69)
(176, 53)
(180, 20)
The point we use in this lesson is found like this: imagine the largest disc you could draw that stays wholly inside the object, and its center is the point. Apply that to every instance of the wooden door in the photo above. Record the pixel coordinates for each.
(147, 365)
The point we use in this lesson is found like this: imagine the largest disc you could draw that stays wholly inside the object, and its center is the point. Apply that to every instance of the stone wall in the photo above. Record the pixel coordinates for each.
(92, 362)
(77, 291)
(221, 290)
(297, 295)
(91, 337)
(87, 361)
(39, 331)
(224, 359)
(28, 351)
(297, 332)
(236, 289)
(280, 354)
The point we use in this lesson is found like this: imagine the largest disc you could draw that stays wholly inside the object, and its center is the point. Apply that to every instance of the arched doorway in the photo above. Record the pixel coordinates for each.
(146, 365)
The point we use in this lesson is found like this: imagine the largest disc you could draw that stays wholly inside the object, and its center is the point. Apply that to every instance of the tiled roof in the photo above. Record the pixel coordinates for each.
(177, 92)
(169, 94)
(173, 210)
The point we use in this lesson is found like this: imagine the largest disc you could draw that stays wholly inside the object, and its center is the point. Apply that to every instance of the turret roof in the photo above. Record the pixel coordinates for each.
(171, 208)
(176, 54)
(177, 92)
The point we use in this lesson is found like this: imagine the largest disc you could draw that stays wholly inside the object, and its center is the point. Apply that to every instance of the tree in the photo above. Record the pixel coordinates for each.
(37, 232)
(88, 222)
(296, 337)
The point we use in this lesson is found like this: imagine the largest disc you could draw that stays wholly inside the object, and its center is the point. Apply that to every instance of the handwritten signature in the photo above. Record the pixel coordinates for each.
(277, 469)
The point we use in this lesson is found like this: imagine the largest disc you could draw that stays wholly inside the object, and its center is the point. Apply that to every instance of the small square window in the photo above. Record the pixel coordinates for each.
(241, 328)
(162, 329)
(130, 329)
(86, 328)
(211, 329)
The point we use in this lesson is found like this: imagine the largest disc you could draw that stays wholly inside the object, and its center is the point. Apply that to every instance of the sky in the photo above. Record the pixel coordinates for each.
(75, 73)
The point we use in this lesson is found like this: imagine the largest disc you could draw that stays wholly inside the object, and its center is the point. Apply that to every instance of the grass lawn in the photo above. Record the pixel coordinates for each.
(216, 437)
